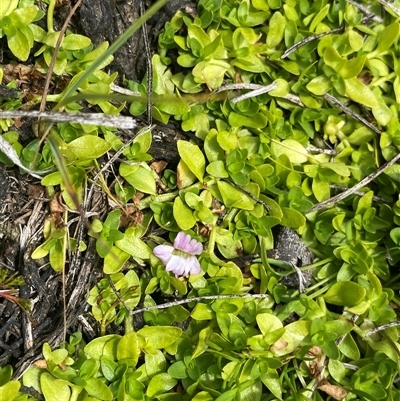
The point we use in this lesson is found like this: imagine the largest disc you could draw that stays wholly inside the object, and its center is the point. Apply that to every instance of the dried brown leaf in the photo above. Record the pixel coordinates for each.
(336, 392)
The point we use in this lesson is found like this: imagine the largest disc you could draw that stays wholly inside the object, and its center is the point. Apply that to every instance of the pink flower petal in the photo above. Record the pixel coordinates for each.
(185, 243)
(163, 252)
(194, 266)
(176, 265)
(181, 241)
(195, 247)
(183, 266)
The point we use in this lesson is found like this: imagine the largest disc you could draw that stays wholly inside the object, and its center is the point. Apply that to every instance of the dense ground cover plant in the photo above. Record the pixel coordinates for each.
(322, 118)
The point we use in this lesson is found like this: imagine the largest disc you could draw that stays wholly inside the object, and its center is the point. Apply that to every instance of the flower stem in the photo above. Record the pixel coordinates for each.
(211, 246)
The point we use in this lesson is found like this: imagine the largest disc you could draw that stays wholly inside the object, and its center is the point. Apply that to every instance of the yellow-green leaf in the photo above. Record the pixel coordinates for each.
(345, 293)
(292, 149)
(277, 25)
(360, 93)
(193, 158)
(128, 349)
(88, 147)
(183, 214)
(139, 177)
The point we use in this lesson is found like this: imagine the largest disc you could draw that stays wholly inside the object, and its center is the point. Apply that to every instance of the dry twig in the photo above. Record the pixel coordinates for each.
(355, 188)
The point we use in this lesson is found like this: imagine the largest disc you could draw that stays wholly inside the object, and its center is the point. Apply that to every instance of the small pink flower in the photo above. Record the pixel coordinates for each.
(180, 258)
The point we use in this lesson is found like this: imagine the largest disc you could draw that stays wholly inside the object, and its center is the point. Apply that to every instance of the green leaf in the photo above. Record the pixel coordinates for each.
(277, 25)
(175, 106)
(193, 158)
(268, 323)
(75, 42)
(262, 5)
(134, 246)
(57, 257)
(128, 349)
(88, 147)
(361, 135)
(202, 312)
(113, 219)
(353, 67)
(89, 368)
(349, 348)
(387, 37)
(195, 32)
(393, 172)
(155, 363)
(272, 382)
(9, 390)
(319, 17)
(319, 85)
(360, 93)
(282, 88)
(258, 120)
(212, 47)
(19, 45)
(291, 339)
(212, 149)
(381, 113)
(54, 389)
(233, 197)
(217, 169)
(292, 218)
(139, 177)
(333, 59)
(5, 375)
(210, 72)
(183, 214)
(184, 177)
(7, 7)
(338, 167)
(97, 347)
(320, 189)
(108, 367)
(395, 235)
(23, 16)
(159, 336)
(160, 384)
(187, 60)
(115, 260)
(336, 370)
(96, 388)
(178, 370)
(355, 39)
(228, 395)
(292, 149)
(345, 293)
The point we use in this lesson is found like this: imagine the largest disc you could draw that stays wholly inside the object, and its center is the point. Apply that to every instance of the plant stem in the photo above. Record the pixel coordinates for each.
(317, 264)
(128, 323)
(50, 15)
(168, 197)
(267, 269)
(211, 247)
(104, 323)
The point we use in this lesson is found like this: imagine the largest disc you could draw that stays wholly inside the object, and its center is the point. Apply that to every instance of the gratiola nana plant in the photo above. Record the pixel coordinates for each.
(306, 138)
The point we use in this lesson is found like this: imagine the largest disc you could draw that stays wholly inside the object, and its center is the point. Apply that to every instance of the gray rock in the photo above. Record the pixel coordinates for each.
(289, 248)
